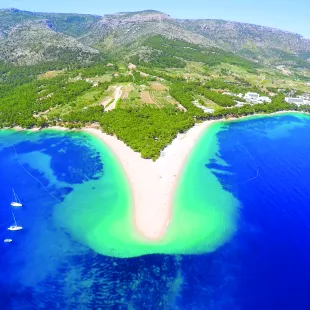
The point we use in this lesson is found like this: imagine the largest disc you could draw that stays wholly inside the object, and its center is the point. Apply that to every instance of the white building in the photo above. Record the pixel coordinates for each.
(265, 99)
(298, 101)
(254, 98)
(304, 96)
(239, 104)
(207, 110)
(251, 97)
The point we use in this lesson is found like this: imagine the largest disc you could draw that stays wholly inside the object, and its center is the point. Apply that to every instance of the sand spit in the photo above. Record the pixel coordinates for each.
(153, 183)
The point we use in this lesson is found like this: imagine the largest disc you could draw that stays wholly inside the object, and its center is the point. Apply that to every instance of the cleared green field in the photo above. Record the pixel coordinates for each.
(163, 99)
(208, 103)
(127, 103)
(156, 93)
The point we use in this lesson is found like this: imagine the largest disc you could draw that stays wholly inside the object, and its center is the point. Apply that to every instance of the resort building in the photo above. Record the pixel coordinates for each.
(255, 98)
(252, 98)
(265, 99)
(207, 110)
(298, 101)
(294, 100)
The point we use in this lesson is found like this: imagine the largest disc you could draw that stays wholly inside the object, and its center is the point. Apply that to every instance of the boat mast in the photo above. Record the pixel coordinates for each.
(14, 194)
(14, 219)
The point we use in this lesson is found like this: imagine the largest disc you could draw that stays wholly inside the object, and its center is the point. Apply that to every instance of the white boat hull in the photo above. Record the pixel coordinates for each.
(16, 204)
(15, 228)
(8, 240)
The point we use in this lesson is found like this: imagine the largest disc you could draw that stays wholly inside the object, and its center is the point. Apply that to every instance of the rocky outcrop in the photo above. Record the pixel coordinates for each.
(34, 41)
(90, 33)
(116, 20)
(237, 36)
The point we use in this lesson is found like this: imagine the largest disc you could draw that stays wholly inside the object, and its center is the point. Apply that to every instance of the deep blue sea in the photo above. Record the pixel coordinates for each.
(264, 162)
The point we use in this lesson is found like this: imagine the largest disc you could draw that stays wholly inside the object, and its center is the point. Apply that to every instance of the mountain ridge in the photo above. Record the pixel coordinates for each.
(111, 33)
(153, 11)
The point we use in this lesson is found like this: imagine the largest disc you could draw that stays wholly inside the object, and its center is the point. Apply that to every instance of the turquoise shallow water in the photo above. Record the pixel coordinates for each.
(259, 167)
(44, 168)
(78, 205)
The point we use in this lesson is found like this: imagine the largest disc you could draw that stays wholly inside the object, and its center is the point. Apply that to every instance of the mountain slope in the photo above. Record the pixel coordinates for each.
(27, 37)
(241, 37)
(121, 29)
(255, 42)
(71, 24)
(33, 42)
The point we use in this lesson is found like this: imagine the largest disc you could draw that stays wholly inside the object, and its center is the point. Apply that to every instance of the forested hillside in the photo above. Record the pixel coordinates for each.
(166, 53)
(143, 76)
(147, 118)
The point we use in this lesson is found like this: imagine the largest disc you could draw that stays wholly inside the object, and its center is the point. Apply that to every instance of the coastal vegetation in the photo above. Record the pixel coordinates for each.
(72, 97)
(165, 82)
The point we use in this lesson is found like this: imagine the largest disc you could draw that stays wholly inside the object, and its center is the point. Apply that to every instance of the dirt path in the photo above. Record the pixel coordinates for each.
(117, 95)
(106, 101)
(263, 79)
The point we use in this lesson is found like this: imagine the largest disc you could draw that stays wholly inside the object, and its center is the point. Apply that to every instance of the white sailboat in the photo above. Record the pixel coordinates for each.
(16, 202)
(15, 227)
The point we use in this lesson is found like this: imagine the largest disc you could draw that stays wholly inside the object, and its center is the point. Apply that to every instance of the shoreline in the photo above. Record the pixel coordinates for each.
(153, 184)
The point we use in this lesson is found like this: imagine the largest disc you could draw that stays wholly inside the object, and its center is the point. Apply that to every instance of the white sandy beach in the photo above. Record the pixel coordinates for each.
(153, 183)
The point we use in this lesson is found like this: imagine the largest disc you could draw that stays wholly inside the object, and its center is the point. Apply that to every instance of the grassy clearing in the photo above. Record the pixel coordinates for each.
(156, 93)
(171, 100)
(134, 95)
(196, 67)
(273, 77)
(127, 90)
(159, 98)
(131, 96)
(208, 103)
(102, 79)
(125, 103)
(50, 74)
(92, 98)
(158, 86)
